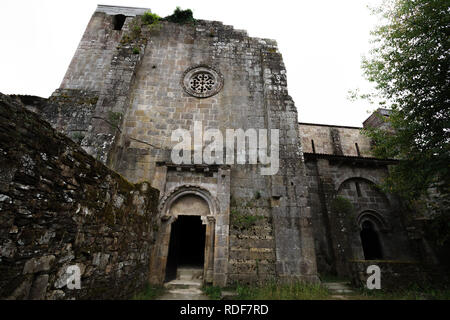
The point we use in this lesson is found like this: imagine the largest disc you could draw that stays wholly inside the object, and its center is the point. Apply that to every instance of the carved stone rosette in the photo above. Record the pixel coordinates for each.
(202, 81)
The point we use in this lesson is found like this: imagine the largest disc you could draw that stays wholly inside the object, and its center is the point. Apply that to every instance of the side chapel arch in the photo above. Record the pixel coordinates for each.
(371, 225)
(371, 206)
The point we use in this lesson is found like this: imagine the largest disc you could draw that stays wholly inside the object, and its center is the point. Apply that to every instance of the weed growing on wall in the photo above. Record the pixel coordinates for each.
(150, 19)
(243, 221)
(181, 16)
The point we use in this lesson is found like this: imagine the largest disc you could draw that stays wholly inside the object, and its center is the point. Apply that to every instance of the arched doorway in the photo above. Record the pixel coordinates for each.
(186, 246)
(370, 241)
(186, 236)
(193, 200)
(186, 251)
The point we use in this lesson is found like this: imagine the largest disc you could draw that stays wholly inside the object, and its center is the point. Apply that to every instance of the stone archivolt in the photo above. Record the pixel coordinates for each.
(170, 197)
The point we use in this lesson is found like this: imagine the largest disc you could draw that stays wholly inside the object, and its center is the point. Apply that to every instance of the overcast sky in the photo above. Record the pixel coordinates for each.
(322, 42)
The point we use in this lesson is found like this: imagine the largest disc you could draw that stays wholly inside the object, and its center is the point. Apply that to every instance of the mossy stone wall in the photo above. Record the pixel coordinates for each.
(61, 207)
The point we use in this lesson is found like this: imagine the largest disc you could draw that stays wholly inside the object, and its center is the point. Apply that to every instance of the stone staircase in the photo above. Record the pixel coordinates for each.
(339, 289)
(186, 286)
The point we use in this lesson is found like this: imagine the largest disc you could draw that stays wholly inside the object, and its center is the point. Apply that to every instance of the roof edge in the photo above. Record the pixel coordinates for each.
(328, 125)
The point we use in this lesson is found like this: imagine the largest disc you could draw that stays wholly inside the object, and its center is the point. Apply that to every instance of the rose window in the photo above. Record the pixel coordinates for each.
(202, 81)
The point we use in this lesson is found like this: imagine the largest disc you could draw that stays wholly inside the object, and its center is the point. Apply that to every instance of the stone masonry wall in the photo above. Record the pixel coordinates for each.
(69, 111)
(394, 274)
(254, 95)
(92, 59)
(91, 102)
(337, 233)
(322, 135)
(61, 207)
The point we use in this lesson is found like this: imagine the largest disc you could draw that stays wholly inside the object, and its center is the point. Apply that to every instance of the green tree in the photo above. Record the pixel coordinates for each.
(409, 65)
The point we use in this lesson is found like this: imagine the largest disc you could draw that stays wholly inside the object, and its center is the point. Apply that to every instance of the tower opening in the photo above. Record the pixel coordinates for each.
(186, 246)
(118, 21)
(370, 242)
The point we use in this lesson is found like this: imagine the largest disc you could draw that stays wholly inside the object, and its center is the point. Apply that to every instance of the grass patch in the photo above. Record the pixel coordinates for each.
(276, 291)
(333, 278)
(412, 293)
(308, 291)
(213, 292)
(150, 293)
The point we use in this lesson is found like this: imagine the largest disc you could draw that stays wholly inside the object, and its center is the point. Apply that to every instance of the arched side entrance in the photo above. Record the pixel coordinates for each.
(186, 236)
(370, 242)
(370, 224)
(370, 206)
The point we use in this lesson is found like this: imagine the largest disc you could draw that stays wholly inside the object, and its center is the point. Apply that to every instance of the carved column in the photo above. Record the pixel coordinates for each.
(209, 249)
(160, 252)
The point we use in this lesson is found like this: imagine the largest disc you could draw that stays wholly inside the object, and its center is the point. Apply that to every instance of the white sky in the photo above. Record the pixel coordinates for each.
(322, 42)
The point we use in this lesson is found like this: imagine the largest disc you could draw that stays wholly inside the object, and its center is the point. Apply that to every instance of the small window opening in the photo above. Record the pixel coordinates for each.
(118, 21)
(358, 189)
(313, 147)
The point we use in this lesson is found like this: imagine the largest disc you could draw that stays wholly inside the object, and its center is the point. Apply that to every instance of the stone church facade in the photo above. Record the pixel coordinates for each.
(148, 94)
(129, 86)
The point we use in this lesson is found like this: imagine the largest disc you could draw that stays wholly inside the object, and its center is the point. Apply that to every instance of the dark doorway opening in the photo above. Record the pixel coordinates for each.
(370, 242)
(186, 246)
(118, 21)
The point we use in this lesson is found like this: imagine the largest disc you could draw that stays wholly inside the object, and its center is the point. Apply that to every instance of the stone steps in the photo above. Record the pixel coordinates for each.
(187, 285)
(184, 290)
(187, 273)
(183, 284)
(338, 287)
(228, 295)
